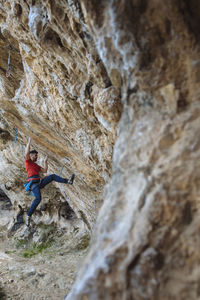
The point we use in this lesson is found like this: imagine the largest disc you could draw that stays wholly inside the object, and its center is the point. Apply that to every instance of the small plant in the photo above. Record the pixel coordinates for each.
(46, 227)
(37, 248)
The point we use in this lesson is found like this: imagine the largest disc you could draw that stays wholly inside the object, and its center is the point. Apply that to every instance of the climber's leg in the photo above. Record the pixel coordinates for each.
(56, 178)
(36, 201)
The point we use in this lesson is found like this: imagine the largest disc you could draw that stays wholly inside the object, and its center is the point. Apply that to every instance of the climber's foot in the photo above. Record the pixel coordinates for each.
(28, 221)
(71, 179)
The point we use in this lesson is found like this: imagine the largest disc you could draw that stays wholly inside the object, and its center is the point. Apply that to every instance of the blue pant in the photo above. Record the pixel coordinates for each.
(41, 185)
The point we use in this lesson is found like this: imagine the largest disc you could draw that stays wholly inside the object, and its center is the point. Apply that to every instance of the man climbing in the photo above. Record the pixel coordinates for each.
(38, 183)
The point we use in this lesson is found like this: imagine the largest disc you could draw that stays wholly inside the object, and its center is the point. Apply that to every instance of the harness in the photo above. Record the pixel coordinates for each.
(31, 180)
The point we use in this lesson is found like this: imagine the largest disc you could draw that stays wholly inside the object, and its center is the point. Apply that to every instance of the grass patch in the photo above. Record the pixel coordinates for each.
(46, 227)
(37, 248)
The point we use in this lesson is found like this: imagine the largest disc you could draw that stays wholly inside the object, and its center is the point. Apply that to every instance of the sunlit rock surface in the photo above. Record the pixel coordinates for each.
(90, 75)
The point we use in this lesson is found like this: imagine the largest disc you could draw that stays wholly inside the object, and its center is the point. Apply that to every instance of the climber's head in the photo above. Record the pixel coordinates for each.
(33, 155)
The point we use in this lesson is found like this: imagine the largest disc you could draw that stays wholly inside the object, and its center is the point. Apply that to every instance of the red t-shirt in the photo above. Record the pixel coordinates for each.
(32, 168)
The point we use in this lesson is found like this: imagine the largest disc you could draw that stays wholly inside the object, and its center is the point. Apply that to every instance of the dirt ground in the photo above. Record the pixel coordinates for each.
(28, 272)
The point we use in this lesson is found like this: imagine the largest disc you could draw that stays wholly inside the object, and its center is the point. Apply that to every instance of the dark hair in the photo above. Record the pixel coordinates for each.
(33, 151)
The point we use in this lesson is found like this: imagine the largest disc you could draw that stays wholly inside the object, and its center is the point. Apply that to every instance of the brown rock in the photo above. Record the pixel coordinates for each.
(114, 87)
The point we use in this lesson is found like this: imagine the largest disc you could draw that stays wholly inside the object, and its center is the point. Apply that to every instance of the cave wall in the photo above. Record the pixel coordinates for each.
(59, 94)
(87, 76)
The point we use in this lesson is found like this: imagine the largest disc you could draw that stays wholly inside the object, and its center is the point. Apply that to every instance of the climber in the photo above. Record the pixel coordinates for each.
(36, 182)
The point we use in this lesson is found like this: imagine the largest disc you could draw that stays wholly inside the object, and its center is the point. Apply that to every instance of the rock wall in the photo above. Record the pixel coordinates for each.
(146, 243)
(90, 75)
(58, 93)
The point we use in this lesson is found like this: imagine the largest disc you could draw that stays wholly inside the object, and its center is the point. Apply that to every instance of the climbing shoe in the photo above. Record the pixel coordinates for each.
(71, 179)
(27, 220)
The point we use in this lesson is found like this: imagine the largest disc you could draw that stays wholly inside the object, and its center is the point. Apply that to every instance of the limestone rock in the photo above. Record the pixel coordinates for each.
(110, 90)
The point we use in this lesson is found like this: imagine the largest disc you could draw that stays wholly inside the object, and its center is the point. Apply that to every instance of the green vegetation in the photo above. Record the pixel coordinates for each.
(10, 252)
(30, 248)
(21, 243)
(36, 249)
(45, 227)
(49, 237)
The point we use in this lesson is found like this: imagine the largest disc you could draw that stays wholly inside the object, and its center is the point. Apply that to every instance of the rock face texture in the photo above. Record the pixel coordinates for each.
(58, 93)
(90, 77)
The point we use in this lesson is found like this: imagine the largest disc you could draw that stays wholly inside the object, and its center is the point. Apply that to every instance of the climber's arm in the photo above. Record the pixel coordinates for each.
(27, 150)
(44, 170)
